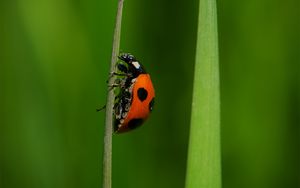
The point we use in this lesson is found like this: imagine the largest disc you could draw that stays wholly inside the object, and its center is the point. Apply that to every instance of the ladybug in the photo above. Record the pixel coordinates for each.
(135, 97)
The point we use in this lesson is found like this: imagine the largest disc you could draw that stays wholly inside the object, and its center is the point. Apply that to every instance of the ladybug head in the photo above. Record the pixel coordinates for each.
(133, 65)
(128, 58)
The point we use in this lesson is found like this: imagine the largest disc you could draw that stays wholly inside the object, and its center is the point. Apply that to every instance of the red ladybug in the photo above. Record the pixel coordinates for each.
(135, 99)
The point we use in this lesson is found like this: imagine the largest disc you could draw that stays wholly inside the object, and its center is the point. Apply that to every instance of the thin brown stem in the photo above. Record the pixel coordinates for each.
(107, 153)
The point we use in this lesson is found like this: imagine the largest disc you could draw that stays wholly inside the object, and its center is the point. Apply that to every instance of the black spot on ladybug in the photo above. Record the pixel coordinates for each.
(134, 123)
(151, 104)
(142, 94)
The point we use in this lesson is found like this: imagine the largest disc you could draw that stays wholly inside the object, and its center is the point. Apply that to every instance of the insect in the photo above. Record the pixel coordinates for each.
(135, 94)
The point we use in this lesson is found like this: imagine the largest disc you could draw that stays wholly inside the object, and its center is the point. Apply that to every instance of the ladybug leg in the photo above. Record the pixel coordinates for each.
(113, 86)
(118, 83)
(114, 74)
(123, 71)
(117, 74)
(99, 109)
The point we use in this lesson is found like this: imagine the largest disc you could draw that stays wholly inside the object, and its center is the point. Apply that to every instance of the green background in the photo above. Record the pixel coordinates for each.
(54, 63)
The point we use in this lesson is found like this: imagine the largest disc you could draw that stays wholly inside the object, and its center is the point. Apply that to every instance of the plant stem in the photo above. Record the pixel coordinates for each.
(204, 166)
(107, 153)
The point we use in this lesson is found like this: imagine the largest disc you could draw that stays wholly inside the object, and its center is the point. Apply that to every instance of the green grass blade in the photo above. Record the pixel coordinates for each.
(204, 166)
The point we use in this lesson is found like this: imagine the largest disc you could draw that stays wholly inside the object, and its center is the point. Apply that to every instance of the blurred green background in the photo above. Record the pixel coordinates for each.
(54, 63)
